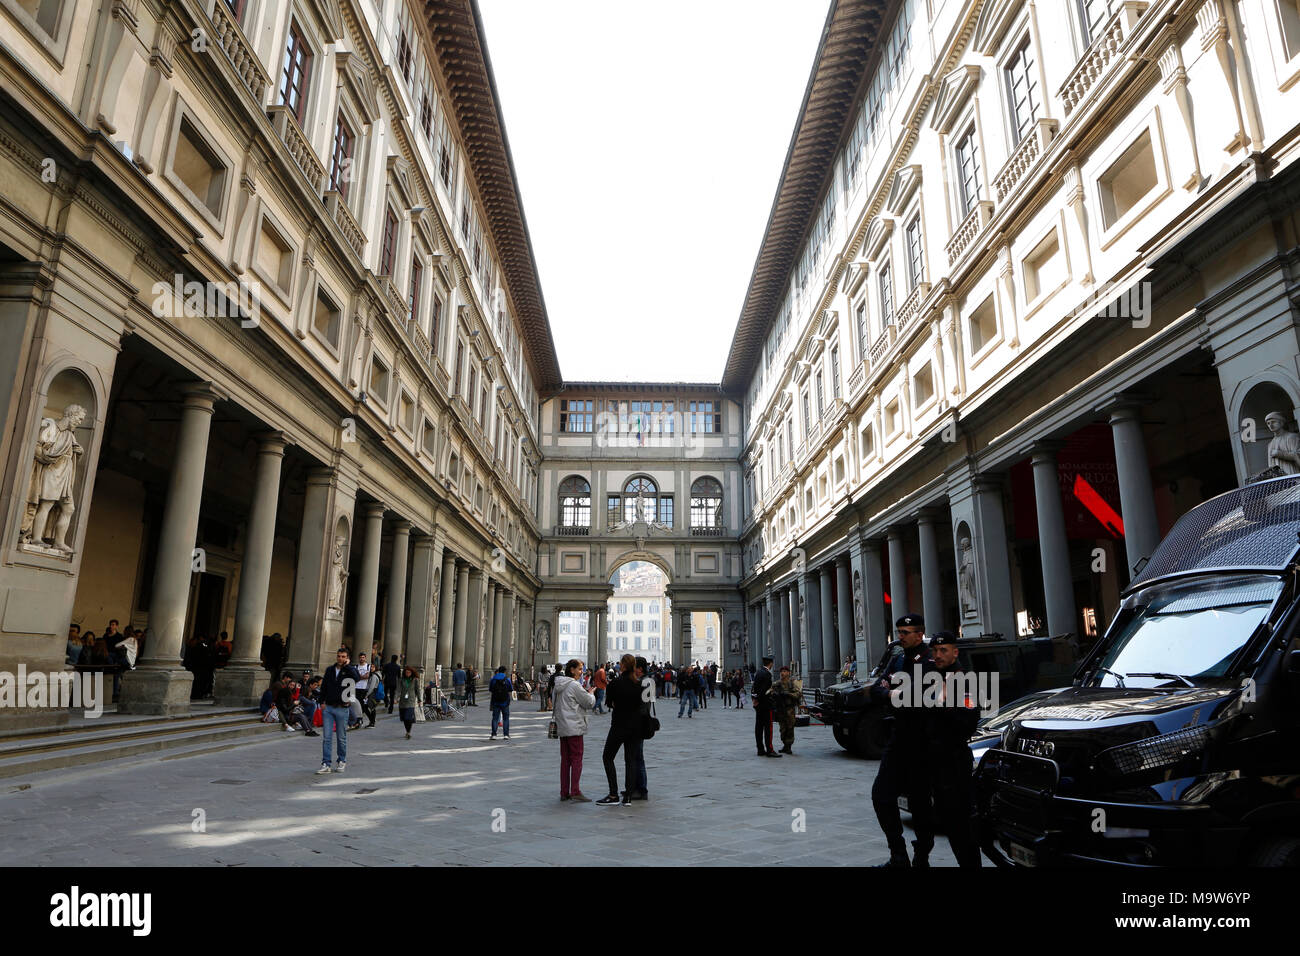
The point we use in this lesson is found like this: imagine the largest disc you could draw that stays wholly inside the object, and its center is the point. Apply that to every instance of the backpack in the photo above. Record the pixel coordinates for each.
(500, 688)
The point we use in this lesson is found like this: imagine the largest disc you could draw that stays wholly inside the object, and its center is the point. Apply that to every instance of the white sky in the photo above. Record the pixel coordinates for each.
(648, 140)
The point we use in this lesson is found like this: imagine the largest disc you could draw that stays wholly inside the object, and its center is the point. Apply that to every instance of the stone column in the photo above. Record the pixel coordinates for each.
(815, 659)
(241, 682)
(829, 648)
(798, 641)
(1054, 549)
(316, 629)
(931, 578)
(897, 576)
(510, 651)
(756, 635)
(475, 643)
(447, 614)
(994, 558)
(686, 638)
(159, 684)
(595, 643)
(368, 586)
(395, 618)
(876, 625)
(420, 619)
(1137, 501)
(458, 643)
(490, 647)
(844, 605)
(786, 647)
(772, 627)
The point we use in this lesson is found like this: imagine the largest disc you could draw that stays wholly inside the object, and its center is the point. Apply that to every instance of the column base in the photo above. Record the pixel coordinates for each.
(241, 686)
(156, 690)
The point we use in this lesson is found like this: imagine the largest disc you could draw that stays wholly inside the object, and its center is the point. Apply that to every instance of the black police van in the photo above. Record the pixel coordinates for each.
(860, 720)
(1179, 741)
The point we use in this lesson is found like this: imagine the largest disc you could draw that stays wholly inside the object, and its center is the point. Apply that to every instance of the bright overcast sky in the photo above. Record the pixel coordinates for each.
(648, 140)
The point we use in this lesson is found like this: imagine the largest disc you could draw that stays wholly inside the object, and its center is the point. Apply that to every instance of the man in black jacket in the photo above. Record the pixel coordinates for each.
(626, 730)
(392, 671)
(902, 766)
(948, 731)
(338, 691)
(763, 709)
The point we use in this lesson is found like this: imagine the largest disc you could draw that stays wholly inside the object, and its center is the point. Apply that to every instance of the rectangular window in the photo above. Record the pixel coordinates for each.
(426, 115)
(483, 408)
(1128, 180)
(1022, 90)
(576, 415)
(807, 413)
(327, 320)
(706, 417)
(613, 510)
(341, 161)
(404, 55)
(413, 298)
(666, 510)
(835, 371)
(821, 397)
(199, 168)
(434, 321)
(864, 336)
(297, 70)
(379, 380)
(886, 297)
(967, 173)
(915, 255)
(1093, 15)
(389, 248)
(460, 367)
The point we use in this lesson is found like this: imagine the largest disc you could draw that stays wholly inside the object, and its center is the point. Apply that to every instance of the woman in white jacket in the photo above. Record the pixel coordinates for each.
(570, 702)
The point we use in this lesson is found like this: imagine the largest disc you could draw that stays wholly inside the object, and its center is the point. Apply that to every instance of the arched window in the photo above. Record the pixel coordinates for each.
(706, 507)
(575, 505)
(636, 490)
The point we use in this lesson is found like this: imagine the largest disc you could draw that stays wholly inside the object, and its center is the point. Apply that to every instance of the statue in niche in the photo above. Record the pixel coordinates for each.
(733, 638)
(966, 578)
(542, 639)
(1284, 449)
(859, 621)
(338, 573)
(767, 637)
(50, 494)
(433, 604)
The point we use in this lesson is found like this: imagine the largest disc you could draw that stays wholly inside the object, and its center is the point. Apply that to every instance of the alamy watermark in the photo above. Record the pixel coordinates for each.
(213, 300)
(932, 688)
(52, 690)
(1132, 303)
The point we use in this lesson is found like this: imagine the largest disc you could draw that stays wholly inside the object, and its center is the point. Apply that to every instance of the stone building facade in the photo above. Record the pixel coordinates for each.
(273, 338)
(1026, 296)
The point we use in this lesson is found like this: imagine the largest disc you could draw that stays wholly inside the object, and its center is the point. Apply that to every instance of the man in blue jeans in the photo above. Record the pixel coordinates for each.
(338, 690)
(500, 688)
(686, 690)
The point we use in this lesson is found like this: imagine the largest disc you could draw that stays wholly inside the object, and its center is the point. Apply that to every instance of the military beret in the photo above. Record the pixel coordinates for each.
(910, 620)
(943, 637)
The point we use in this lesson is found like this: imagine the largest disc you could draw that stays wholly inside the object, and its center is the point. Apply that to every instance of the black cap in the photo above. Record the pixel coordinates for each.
(943, 637)
(910, 620)
(767, 661)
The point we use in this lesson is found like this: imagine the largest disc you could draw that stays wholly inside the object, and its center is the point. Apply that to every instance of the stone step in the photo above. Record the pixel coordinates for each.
(58, 751)
(80, 726)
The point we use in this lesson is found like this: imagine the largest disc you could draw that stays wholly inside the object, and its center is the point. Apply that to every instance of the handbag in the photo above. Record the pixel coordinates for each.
(318, 717)
(553, 730)
(651, 724)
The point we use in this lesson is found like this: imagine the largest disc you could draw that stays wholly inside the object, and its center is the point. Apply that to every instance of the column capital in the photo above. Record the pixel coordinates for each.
(375, 509)
(202, 395)
(987, 482)
(1045, 450)
(401, 526)
(423, 543)
(271, 442)
(929, 515)
(1125, 405)
(842, 561)
(894, 532)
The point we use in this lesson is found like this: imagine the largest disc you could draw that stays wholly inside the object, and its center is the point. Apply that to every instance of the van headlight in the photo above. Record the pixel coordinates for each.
(1154, 752)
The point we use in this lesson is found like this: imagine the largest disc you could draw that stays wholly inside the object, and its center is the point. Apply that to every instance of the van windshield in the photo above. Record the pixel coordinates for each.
(1188, 629)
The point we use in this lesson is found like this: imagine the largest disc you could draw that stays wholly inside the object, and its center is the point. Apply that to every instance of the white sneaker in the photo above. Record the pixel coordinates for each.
(341, 767)
(324, 768)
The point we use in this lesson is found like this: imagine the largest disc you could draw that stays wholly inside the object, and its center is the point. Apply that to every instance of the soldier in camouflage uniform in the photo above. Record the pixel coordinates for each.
(786, 698)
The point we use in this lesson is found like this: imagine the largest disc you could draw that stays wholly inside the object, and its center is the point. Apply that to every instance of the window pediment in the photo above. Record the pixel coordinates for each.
(956, 88)
(906, 182)
(877, 235)
(992, 24)
(354, 73)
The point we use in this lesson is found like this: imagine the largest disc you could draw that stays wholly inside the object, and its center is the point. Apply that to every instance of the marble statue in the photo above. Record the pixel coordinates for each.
(542, 639)
(733, 638)
(859, 622)
(53, 485)
(1284, 449)
(338, 573)
(966, 577)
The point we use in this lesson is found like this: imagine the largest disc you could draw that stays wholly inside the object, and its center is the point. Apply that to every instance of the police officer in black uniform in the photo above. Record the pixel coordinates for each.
(948, 731)
(902, 766)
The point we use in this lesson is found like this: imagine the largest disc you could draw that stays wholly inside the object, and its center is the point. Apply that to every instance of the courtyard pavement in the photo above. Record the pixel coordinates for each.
(449, 796)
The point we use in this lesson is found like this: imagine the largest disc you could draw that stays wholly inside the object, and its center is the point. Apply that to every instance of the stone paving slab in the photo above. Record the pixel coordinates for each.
(449, 796)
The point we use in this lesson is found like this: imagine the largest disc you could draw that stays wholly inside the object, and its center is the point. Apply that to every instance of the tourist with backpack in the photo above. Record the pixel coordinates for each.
(500, 689)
